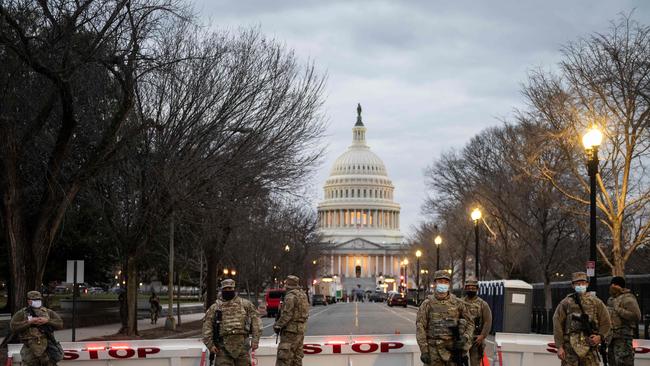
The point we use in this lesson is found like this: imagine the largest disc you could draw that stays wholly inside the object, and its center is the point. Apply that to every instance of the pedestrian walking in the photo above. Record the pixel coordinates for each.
(154, 307)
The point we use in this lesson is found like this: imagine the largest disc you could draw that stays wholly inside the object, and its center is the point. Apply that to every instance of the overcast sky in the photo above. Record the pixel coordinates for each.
(428, 74)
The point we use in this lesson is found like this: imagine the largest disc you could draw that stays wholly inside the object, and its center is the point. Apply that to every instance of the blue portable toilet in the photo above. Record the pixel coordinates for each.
(511, 302)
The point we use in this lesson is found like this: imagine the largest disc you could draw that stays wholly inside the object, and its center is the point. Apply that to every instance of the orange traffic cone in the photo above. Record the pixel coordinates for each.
(485, 361)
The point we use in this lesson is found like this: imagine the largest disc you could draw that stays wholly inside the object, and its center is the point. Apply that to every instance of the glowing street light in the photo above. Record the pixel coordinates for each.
(476, 216)
(591, 141)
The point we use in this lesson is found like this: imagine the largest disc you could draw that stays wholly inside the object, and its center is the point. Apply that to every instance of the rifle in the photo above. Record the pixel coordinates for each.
(589, 328)
(216, 332)
(458, 355)
(277, 317)
(478, 328)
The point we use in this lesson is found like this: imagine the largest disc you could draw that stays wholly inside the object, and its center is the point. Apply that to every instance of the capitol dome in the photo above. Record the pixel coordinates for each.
(358, 196)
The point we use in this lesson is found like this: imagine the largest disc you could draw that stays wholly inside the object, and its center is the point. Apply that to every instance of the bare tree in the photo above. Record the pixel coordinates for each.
(68, 77)
(604, 80)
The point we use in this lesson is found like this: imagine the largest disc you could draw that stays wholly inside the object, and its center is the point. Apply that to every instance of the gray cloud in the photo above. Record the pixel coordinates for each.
(429, 74)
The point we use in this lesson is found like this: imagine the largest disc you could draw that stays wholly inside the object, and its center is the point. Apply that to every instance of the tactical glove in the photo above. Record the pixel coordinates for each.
(425, 358)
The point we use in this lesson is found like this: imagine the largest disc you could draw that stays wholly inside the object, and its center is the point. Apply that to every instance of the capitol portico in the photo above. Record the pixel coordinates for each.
(359, 220)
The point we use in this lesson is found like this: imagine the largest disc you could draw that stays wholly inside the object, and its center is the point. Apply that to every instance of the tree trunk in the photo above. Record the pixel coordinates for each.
(211, 280)
(548, 297)
(132, 296)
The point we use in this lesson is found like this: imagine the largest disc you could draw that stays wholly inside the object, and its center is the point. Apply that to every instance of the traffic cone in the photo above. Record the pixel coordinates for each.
(485, 361)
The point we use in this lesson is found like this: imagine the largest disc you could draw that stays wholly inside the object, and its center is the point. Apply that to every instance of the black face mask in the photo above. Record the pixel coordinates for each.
(470, 293)
(227, 295)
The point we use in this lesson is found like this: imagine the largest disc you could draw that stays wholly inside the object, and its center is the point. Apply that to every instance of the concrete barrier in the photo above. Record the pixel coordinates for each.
(540, 350)
(373, 350)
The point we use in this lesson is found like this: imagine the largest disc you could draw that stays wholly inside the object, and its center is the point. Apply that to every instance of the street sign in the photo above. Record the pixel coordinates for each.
(69, 278)
(591, 268)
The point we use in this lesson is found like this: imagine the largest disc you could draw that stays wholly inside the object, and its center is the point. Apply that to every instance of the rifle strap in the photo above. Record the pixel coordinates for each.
(576, 297)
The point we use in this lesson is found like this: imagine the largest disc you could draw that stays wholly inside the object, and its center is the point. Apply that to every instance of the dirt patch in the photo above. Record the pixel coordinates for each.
(155, 333)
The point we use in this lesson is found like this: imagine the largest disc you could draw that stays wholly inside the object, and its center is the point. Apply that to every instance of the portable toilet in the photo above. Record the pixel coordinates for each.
(511, 302)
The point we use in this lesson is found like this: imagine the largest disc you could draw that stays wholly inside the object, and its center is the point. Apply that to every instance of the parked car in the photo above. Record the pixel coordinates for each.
(396, 299)
(378, 297)
(61, 289)
(273, 297)
(318, 300)
(330, 299)
(96, 290)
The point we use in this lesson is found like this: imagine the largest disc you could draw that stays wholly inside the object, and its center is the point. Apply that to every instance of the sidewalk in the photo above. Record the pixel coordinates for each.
(65, 335)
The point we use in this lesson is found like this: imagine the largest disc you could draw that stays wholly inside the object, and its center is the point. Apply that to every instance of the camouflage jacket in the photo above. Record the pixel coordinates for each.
(436, 317)
(294, 312)
(239, 318)
(565, 322)
(625, 314)
(30, 334)
(481, 315)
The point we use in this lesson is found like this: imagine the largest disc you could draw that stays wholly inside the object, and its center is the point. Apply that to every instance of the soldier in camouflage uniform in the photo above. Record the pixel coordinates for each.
(25, 325)
(625, 315)
(575, 348)
(437, 318)
(239, 320)
(292, 324)
(482, 317)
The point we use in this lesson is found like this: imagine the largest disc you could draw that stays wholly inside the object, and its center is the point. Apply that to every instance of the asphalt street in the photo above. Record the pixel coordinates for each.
(355, 318)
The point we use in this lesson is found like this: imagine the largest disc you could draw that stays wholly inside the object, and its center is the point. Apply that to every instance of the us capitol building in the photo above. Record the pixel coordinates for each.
(359, 222)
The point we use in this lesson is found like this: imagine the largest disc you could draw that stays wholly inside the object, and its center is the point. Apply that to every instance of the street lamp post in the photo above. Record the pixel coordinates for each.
(418, 254)
(476, 216)
(438, 241)
(406, 274)
(591, 141)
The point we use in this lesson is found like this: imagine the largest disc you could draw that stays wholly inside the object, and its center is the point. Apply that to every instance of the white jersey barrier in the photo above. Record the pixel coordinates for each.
(388, 350)
(383, 350)
(515, 349)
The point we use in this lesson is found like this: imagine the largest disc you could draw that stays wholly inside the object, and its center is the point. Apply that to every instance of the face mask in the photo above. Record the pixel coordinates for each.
(36, 304)
(441, 288)
(581, 289)
(614, 291)
(470, 293)
(227, 295)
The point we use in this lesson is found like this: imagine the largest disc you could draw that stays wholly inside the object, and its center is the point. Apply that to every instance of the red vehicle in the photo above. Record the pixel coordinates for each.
(396, 299)
(273, 297)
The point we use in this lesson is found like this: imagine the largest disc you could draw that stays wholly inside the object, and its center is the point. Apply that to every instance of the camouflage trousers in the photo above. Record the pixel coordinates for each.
(30, 359)
(572, 359)
(290, 352)
(476, 355)
(620, 352)
(223, 359)
(440, 353)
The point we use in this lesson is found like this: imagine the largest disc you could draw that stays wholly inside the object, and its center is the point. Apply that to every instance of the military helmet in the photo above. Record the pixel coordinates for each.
(34, 295)
(441, 274)
(578, 276)
(227, 283)
(471, 281)
(292, 282)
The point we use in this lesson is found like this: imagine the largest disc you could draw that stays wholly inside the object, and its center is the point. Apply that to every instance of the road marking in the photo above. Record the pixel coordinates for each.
(310, 316)
(356, 314)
